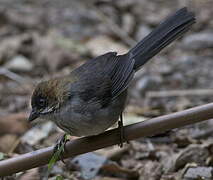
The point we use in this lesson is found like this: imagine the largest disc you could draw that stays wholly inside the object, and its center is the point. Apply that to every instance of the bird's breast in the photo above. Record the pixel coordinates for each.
(85, 119)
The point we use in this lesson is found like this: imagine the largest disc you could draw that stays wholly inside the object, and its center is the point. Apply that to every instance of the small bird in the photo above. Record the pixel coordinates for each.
(92, 97)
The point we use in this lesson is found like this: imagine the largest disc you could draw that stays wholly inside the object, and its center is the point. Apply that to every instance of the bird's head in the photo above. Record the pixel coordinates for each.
(48, 96)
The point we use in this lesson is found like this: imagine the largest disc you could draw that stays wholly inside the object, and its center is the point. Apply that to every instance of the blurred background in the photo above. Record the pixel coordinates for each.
(48, 38)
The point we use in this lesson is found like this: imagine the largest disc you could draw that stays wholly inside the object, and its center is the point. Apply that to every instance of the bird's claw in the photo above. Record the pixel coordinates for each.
(120, 125)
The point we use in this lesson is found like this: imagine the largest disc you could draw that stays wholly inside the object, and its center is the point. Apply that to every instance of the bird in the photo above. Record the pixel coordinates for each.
(93, 96)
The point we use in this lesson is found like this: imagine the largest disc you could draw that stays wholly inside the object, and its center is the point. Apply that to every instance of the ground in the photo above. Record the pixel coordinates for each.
(47, 38)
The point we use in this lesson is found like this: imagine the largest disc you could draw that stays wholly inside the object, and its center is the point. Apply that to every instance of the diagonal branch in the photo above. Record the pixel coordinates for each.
(109, 138)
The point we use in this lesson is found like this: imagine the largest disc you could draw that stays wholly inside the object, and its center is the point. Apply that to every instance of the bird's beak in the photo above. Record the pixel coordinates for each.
(33, 115)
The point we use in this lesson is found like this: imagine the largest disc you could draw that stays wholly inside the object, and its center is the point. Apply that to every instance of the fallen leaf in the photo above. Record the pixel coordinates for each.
(14, 123)
(192, 154)
(31, 174)
(6, 142)
(114, 168)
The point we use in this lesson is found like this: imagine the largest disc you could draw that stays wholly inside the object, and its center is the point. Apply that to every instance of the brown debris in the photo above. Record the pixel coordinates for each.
(14, 123)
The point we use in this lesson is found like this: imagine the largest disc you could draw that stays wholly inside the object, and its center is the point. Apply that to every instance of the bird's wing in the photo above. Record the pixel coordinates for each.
(122, 72)
(93, 89)
(106, 76)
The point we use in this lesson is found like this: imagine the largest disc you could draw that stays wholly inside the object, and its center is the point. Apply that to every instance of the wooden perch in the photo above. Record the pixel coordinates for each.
(108, 138)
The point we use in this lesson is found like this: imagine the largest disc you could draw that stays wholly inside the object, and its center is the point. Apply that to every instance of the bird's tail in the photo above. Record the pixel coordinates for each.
(169, 30)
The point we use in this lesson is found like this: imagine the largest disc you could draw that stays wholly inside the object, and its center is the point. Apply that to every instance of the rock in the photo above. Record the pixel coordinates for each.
(198, 172)
(192, 154)
(151, 170)
(168, 163)
(19, 63)
(198, 41)
(41, 131)
(103, 44)
(89, 164)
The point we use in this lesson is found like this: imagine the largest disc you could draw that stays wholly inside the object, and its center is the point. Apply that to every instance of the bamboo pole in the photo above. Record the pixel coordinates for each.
(108, 138)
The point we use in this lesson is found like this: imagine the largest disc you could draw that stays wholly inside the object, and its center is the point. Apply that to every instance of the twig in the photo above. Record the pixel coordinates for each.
(13, 76)
(16, 78)
(173, 93)
(109, 138)
(203, 134)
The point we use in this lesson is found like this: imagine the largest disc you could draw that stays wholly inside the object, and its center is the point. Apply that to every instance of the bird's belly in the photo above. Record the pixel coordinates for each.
(89, 122)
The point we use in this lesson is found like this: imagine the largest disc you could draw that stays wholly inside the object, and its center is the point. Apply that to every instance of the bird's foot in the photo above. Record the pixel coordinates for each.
(121, 129)
(122, 134)
(60, 147)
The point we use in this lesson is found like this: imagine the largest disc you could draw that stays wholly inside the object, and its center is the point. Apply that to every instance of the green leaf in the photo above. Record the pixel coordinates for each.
(2, 156)
(59, 178)
(56, 156)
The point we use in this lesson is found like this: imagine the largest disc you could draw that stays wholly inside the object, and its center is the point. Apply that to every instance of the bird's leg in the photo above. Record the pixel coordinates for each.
(121, 128)
(60, 146)
(122, 133)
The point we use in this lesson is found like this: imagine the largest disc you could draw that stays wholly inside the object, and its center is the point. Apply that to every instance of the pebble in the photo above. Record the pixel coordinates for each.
(19, 63)
(198, 172)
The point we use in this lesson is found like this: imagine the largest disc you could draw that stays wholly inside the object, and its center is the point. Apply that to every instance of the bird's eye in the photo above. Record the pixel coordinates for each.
(41, 102)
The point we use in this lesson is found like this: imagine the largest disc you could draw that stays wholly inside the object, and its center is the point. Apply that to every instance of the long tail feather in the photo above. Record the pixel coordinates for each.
(169, 30)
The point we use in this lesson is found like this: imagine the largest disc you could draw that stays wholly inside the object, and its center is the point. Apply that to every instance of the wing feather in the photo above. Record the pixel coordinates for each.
(103, 78)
